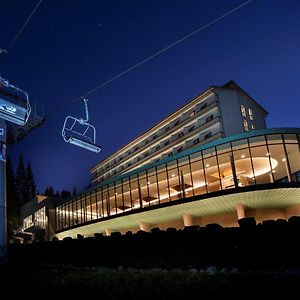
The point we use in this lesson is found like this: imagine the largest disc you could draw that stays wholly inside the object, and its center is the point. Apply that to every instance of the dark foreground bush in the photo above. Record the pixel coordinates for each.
(152, 283)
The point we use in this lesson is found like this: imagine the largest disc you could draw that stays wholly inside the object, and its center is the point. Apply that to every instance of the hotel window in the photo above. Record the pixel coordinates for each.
(166, 143)
(180, 134)
(203, 106)
(179, 149)
(196, 141)
(170, 154)
(243, 110)
(157, 148)
(208, 135)
(176, 123)
(154, 137)
(250, 113)
(192, 113)
(209, 118)
(245, 123)
(192, 128)
(252, 126)
(168, 128)
(146, 142)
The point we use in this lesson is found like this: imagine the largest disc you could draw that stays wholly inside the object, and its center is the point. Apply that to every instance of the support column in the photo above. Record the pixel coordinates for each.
(145, 226)
(187, 219)
(271, 177)
(235, 180)
(240, 211)
(107, 232)
(3, 213)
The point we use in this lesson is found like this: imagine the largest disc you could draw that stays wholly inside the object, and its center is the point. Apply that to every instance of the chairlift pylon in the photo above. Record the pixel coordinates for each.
(14, 103)
(85, 138)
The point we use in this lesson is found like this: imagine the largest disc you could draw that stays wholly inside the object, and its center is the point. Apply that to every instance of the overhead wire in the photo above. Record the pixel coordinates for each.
(6, 51)
(101, 85)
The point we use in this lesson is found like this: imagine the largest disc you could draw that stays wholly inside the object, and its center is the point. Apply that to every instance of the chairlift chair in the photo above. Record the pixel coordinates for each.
(85, 138)
(14, 103)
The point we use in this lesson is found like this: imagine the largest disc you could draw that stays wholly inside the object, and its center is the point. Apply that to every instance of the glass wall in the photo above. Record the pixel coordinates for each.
(262, 159)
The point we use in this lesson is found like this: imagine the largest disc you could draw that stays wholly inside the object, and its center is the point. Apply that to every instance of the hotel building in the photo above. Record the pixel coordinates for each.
(216, 113)
(212, 161)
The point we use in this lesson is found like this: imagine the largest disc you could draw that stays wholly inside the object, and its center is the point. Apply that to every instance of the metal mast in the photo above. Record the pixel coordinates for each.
(3, 211)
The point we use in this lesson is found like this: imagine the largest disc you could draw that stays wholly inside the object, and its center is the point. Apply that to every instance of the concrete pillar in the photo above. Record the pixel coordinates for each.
(240, 210)
(145, 226)
(187, 219)
(107, 232)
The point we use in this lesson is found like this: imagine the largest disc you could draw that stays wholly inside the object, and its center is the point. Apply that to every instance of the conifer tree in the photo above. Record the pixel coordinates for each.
(20, 180)
(65, 194)
(30, 185)
(74, 191)
(49, 191)
(13, 202)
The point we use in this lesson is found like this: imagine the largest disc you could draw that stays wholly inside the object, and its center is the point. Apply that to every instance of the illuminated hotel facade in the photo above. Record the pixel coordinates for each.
(212, 161)
(251, 174)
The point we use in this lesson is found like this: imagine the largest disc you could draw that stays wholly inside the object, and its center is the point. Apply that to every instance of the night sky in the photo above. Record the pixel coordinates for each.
(71, 46)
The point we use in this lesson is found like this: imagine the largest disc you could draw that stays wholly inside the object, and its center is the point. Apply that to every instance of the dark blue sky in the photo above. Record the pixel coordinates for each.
(70, 46)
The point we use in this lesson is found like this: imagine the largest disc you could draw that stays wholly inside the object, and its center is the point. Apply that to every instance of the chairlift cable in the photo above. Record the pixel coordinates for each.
(6, 51)
(96, 88)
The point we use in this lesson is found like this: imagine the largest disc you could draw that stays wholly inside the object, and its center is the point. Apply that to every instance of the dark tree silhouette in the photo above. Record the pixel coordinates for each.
(13, 202)
(74, 191)
(65, 194)
(20, 180)
(49, 191)
(30, 186)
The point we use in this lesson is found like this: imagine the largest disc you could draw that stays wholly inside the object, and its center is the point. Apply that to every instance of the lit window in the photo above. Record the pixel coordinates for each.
(245, 125)
(250, 113)
(243, 110)
(252, 126)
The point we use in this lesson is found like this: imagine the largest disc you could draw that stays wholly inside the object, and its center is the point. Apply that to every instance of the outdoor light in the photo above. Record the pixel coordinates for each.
(284, 159)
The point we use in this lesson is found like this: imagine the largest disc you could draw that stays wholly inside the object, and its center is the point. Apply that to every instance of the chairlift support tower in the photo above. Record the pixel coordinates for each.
(15, 108)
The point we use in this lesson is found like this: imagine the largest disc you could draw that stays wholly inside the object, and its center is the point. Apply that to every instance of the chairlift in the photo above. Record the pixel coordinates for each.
(14, 103)
(86, 138)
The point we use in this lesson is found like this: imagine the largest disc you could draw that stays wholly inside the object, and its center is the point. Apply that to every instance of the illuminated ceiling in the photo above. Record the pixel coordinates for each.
(269, 198)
